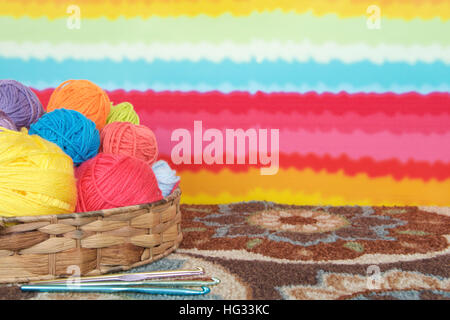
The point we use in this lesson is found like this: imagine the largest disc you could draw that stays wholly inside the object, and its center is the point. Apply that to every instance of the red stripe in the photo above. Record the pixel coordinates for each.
(363, 104)
(240, 102)
(394, 168)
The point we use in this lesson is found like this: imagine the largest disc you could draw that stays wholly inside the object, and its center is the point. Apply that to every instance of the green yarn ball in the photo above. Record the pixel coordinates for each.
(123, 112)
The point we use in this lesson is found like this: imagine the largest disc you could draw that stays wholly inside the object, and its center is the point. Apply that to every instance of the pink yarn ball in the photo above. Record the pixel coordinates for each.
(129, 139)
(111, 181)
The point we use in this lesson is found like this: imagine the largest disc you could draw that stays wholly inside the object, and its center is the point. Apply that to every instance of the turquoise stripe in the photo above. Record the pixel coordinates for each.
(252, 88)
(128, 74)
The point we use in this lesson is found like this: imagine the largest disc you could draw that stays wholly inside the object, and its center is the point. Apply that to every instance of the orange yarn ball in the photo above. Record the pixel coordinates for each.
(82, 96)
(131, 140)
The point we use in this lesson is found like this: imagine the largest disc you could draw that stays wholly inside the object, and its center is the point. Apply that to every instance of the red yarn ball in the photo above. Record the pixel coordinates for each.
(129, 139)
(110, 181)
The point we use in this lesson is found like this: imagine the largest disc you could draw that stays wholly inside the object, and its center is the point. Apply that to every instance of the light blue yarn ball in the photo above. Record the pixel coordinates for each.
(75, 134)
(166, 177)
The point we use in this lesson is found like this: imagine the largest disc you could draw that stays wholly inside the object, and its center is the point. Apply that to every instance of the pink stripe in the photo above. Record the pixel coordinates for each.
(378, 146)
(324, 122)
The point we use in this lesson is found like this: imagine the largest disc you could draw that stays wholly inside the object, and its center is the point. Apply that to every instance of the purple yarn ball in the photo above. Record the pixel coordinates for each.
(6, 122)
(19, 103)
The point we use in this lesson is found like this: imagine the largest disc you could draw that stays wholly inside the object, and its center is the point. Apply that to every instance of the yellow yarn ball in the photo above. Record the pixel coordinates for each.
(36, 176)
(123, 112)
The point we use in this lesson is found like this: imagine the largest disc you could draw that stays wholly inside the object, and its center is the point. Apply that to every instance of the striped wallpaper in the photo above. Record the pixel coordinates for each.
(363, 114)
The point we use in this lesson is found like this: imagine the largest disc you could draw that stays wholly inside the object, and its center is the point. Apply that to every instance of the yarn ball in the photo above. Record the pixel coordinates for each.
(75, 134)
(36, 176)
(110, 181)
(123, 112)
(166, 177)
(20, 103)
(6, 122)
(129, 139)
(82, 96)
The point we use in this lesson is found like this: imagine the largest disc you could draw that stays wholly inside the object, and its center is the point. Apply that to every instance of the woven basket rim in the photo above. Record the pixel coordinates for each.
(99, 213)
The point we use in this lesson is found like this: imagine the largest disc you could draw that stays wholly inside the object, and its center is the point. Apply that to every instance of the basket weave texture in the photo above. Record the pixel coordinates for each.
(47, 247)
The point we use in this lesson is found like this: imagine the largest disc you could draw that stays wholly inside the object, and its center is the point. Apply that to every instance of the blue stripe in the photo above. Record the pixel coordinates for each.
(252, 88)
(310, 75)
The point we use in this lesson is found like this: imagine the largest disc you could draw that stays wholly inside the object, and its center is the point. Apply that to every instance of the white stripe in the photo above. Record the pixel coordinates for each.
(256, 50)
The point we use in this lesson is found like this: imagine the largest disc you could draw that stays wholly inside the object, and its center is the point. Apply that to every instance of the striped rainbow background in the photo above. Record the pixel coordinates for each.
(363, 113)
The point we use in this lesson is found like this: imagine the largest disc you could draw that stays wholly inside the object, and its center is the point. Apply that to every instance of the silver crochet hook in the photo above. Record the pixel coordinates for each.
(152, 283)
(128, 277)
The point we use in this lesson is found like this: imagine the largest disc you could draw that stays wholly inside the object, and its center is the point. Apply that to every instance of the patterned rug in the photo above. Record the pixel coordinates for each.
(262, 250)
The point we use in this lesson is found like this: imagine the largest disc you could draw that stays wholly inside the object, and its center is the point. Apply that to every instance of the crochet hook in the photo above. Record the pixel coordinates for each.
(107, 289)
(153, 283)
(129, 276)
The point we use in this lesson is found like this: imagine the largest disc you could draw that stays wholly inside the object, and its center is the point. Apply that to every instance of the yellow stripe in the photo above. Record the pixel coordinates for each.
(310, 188)
(113, 9)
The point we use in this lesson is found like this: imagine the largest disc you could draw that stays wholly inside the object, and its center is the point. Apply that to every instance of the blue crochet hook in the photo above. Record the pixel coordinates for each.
(107, 289)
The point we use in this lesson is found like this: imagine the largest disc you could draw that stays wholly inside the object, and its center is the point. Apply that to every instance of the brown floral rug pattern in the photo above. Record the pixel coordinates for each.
(263, 250)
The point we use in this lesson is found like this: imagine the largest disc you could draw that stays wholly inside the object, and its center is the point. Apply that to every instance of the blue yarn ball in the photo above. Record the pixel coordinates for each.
(74, 133)
(166, 177)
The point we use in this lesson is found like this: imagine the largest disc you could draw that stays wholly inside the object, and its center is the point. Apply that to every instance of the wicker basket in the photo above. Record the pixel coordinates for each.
(47, 247)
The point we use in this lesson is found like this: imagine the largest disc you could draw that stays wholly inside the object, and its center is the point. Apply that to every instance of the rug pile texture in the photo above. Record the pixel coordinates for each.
(263, 250)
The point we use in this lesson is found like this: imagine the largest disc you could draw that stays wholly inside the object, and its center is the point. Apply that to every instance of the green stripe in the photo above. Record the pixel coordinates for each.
(264, 26)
